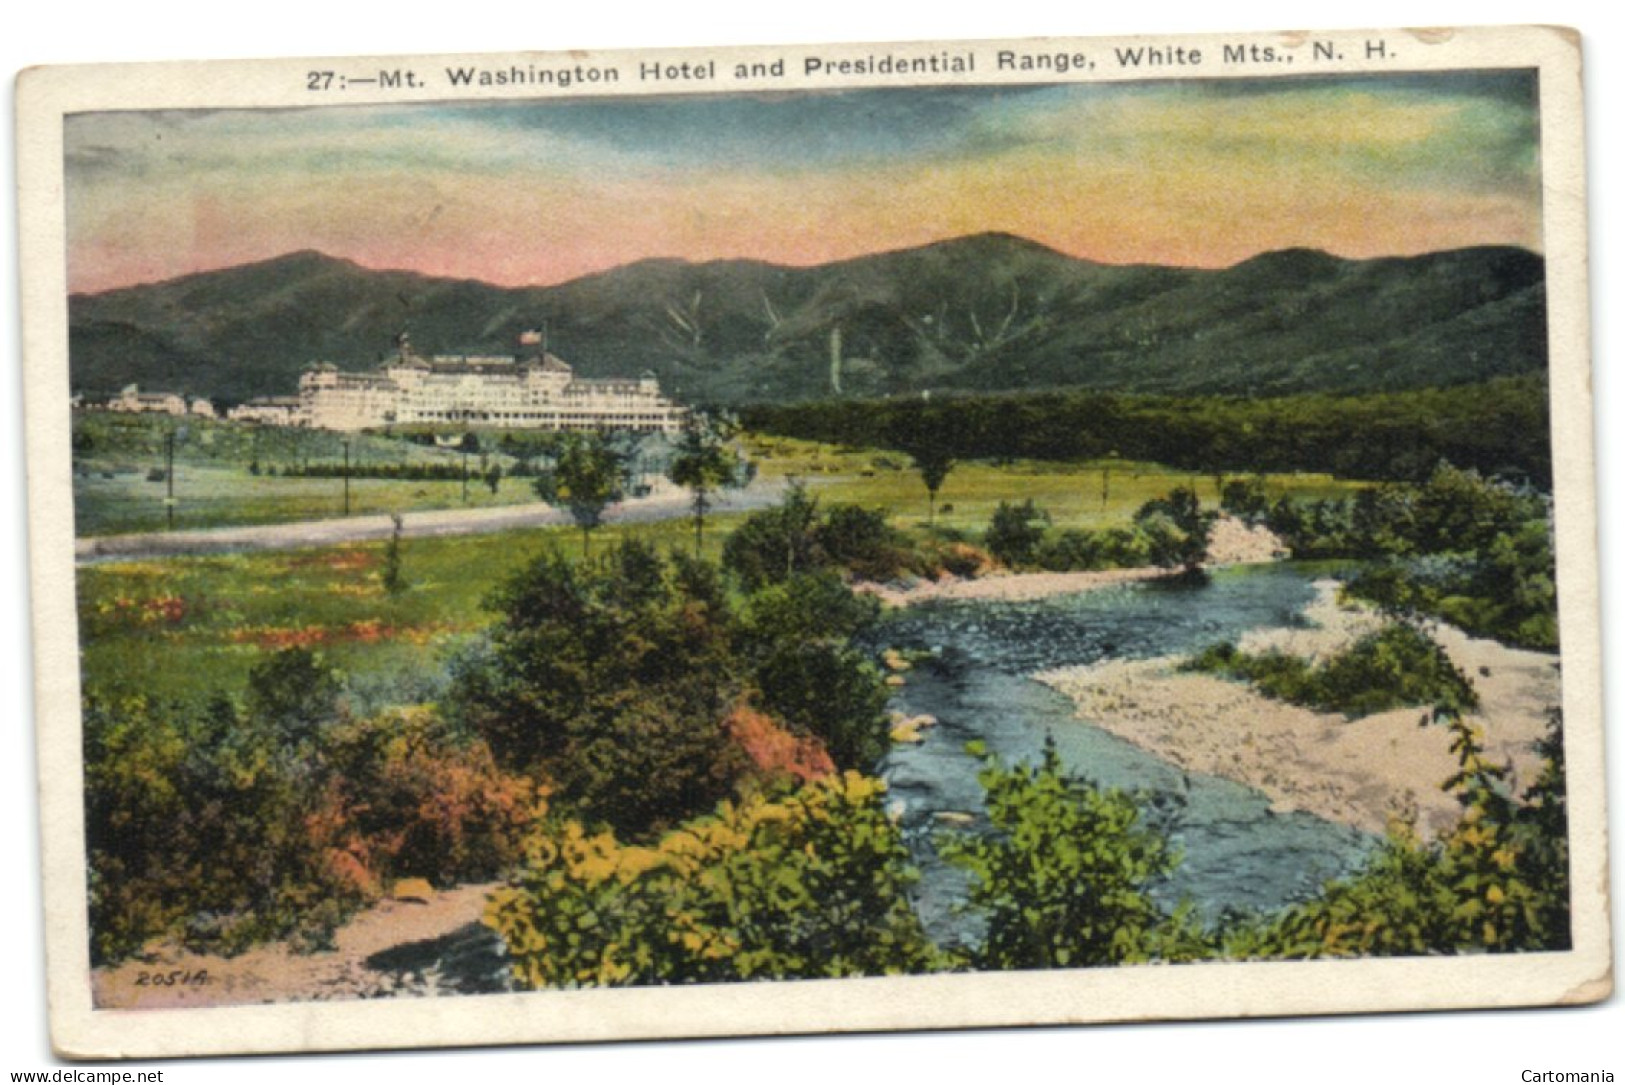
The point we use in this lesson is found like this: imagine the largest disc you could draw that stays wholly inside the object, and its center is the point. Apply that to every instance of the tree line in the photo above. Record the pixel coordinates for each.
(1497, 427)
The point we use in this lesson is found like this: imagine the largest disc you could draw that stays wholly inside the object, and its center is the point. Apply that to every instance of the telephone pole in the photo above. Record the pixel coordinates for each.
(169, 478)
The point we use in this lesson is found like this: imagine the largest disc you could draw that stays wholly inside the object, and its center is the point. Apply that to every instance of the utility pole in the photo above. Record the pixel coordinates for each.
(169, 478)
(346, 444)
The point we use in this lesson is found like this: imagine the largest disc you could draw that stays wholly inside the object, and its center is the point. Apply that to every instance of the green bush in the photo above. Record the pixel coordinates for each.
(1065, 876)
(427, 800)
(1245, 499)
(1476, 552)
(1396, 666)
(1078, 550)
(1015, 532)
(202, 827)
(831, 692)
(775, 543)
(612, 682)
(797, 884)
(1497, 882)
(806, 607)
(860, 541)
(222, 827)
(1176, 529)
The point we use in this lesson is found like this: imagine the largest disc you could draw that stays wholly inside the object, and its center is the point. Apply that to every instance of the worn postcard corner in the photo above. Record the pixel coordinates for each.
(604, 545)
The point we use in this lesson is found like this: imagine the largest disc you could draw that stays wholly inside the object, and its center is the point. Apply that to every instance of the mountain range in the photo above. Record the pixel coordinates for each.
(989, 312)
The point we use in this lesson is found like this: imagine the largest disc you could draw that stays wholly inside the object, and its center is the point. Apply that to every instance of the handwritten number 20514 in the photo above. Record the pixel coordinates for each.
(178, 977)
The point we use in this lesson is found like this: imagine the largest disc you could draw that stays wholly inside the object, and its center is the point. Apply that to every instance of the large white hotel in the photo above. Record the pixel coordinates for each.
(532, 391)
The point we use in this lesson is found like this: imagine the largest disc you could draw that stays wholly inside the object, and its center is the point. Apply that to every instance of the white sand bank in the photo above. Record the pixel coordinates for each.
(1357, 772)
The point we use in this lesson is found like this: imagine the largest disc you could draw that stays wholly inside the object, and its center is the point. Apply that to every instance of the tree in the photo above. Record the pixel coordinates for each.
(293, 694)
(611, 682)
(1065, 875)
(928, 435)
(588, 474)
(774, 544)
(1016, 531)
(1178, 529)
(394, 579)
(705, 462)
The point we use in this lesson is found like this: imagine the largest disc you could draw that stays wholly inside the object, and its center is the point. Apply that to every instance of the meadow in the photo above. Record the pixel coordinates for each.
(1085, 494)
(190, 626)
(229, 474)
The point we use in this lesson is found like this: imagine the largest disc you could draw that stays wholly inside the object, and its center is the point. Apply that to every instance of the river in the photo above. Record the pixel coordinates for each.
(1239, 855)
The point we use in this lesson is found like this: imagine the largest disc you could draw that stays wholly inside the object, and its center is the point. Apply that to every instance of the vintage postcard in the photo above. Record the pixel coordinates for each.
(573, 546)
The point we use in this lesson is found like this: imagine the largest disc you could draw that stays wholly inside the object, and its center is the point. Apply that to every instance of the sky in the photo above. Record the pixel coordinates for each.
(1202, 174)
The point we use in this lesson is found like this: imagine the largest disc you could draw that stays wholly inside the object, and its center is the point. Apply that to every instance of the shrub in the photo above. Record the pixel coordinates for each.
(774, 751)
(1245, 499)
(1397, 665)
(1071, 550)
(224, 829)
(1507, 591)
(953, 557)
(805, 883)
(1065, 876)
(861, 541)
(1476, 552)
(794, 537)
(831, 692)
(293, 694)
(613, 682)
(1113, 548)
(1497, 882)
(202, 825)
(774, 544)
(805, 607)
(1176, 529)
(429, 801)
(1015, 532)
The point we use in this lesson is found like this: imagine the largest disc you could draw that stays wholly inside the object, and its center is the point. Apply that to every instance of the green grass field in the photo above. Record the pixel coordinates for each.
(193, 626)
(1081, 495)
(118, 485)
(219, 496)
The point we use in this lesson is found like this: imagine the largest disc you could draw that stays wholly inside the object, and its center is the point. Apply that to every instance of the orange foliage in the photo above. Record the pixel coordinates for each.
(366, 630)
(342, 561)
(775, 751)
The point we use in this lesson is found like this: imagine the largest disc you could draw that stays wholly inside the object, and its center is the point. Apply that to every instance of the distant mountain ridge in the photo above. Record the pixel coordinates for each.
(989, 312)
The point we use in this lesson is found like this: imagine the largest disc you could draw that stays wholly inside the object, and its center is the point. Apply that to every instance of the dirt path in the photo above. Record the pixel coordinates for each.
(161, 544)
(427, 944)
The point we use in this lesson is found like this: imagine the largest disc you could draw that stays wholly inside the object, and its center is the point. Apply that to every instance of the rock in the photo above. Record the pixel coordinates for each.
(415, 890)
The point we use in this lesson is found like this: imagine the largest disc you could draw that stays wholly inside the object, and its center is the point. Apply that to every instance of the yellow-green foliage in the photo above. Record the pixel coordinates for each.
(1065, 876)
(1497, 882)
(803, 883)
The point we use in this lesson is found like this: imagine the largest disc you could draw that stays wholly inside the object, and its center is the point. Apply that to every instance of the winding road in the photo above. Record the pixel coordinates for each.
(425, 524)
